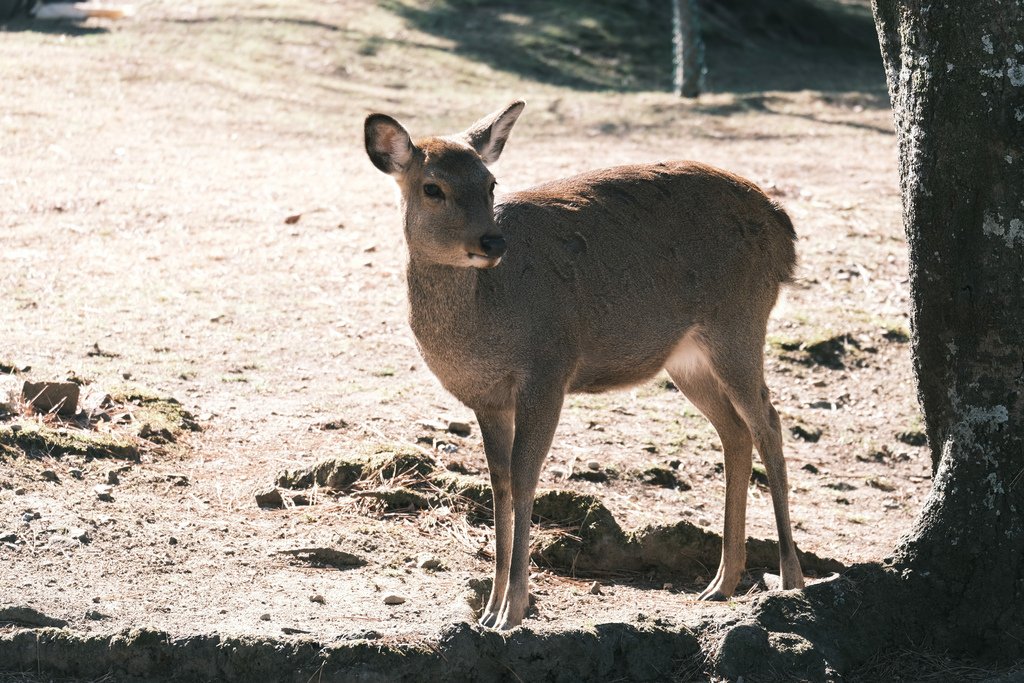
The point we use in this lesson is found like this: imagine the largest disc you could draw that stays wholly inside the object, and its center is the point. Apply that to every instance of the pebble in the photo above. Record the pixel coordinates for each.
(172, 540)
(75, 472)
(394, 600)
(265, 617)
(427, 561)
(20, 491)
(318, 599)
(103, 492)
(50, 475)
(8, 537)
(459, 428)
(96, 615)
(269, 497)
(78, 534)
(112, 478)
(594, 465)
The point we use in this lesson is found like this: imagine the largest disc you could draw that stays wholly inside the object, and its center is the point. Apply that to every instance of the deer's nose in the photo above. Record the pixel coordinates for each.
(493, 245)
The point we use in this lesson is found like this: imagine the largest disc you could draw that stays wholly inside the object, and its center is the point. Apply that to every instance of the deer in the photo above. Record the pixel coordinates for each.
(586, 284)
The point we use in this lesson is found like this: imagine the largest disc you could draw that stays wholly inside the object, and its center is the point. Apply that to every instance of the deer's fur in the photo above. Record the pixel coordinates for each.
(608, 277)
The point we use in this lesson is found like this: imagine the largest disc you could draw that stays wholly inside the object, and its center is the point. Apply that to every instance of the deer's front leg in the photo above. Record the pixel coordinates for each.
(497, 430)
(537, 412)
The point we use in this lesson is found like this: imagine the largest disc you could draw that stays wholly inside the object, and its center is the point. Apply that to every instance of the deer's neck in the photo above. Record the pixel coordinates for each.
(442, 303)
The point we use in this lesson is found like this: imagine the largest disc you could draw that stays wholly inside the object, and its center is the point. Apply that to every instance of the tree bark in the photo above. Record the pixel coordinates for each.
(956, 81)
(955, 584)
(688, 49)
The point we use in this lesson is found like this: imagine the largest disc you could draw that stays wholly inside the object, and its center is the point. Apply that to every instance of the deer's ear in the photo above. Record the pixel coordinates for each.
(388, 144)
(488, 135)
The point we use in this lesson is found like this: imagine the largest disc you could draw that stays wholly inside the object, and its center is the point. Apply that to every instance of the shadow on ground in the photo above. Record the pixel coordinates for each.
(626, 46)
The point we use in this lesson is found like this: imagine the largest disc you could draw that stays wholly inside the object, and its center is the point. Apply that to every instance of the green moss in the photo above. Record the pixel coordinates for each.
(39, 441)
(157, 419)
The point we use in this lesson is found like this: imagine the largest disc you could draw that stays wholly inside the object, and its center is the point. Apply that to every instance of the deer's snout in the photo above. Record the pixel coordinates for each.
(493, 245)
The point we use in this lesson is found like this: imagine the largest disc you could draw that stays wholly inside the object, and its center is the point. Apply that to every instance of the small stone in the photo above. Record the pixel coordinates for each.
(104, 492)
(113, 478)
(810, 468)
(593, 465)
(318, 599)
(79, 534)
(50, 475)
(595, 588)
(172, 541)
(20, 491)
(264, 617)
(49, 397)
(394, 600)
(96, 615)
(880, 483)
(8, 537)
(459, 428)
(427, 561)
(96, 600)
(16, 428)
(269, 497)
(75, 472)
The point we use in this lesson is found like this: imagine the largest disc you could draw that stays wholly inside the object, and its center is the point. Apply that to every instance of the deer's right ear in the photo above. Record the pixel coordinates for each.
(388, 144)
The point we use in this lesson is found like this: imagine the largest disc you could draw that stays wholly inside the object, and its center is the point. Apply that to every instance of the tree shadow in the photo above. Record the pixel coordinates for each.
(73, 29)
(625, 45)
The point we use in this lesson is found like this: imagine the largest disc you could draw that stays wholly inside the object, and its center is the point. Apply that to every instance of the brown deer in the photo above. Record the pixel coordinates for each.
(586, 284)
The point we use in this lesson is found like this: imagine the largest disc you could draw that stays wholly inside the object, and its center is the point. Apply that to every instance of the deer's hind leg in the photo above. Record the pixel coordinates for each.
(738, 362)
(691, 371)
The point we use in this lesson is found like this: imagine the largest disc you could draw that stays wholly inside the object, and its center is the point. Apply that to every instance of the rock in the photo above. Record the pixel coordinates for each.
(427, 561)
(47, 397)
(50, 475)
(8, 537)
(269, 497)
(79, 534)
(264, 617)
(808, 435)
(595, 588)
(104, 492)
(809, 467)
(172, 541)
(113, 479)
(663, 477)
(913, 438)
(880, 483)
(393, 599)
(593, 465)
(318, 599)
(75, 472)
(96, 615)
(459, 429)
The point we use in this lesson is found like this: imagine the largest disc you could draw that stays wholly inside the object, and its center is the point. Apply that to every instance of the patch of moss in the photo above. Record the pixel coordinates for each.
(400, 498)
(157, 419)
(384, 461)
(38, 441)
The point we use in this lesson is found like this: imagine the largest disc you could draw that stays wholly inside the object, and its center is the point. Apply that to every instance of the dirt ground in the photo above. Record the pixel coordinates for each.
(187, 207)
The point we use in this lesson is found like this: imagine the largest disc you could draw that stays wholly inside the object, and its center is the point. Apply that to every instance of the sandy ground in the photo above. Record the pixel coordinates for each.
(188, 193)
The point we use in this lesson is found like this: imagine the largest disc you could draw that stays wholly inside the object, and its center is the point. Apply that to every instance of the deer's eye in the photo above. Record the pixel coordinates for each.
(433, 191)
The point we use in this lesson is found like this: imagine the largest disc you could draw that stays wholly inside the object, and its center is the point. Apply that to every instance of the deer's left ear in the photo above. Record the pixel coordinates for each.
(388, 144)
(488, 135)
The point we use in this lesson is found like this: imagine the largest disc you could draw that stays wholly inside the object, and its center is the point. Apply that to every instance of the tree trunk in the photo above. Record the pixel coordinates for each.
(688, 52)
(955, 584)
(956, 81)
